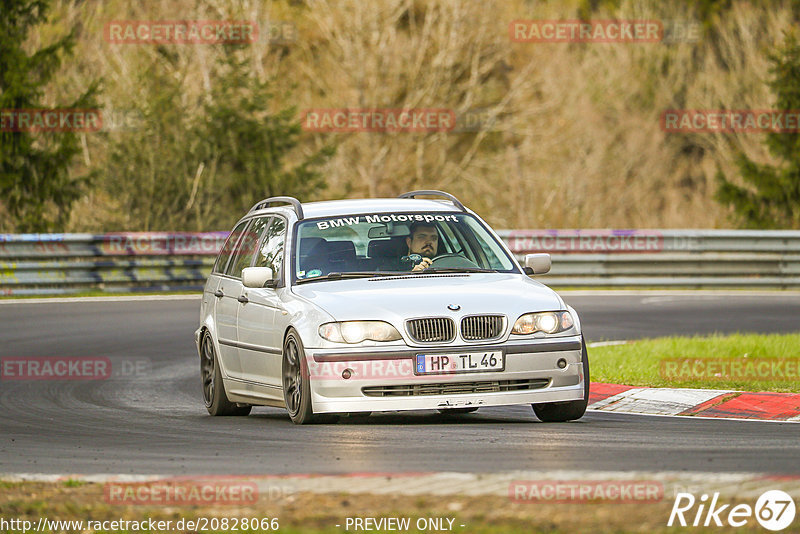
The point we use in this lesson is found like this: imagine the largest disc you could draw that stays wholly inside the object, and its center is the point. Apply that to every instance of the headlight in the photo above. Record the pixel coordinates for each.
(358, 331)
(547, 322)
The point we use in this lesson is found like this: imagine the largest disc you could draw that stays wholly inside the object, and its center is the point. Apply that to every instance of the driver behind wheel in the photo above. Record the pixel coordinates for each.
(423, 239)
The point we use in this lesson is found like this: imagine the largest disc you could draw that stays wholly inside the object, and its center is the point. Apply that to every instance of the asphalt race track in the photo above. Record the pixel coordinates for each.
(152, 420)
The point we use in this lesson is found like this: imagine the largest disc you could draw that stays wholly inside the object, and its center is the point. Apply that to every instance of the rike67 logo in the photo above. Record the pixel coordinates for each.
(774, 510)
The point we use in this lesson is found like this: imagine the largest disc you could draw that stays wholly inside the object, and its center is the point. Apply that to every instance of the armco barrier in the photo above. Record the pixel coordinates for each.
(38, 264)
(41, 264)
(672, 258)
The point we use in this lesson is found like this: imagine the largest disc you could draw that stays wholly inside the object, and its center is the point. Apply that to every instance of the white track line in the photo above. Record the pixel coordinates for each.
(657, 401)
(608, 343)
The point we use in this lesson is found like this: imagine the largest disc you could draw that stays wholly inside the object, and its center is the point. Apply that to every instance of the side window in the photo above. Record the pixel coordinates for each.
(449, 241)
(227, 249)
(272, 246)
(246, 248)
(491, 254)
(464, 242)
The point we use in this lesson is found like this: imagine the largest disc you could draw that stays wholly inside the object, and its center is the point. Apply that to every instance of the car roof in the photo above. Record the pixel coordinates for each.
(335, 208)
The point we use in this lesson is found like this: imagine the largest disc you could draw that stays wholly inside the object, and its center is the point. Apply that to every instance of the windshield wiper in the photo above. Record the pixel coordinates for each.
(435, 270)
(371, 274)
(346, 274)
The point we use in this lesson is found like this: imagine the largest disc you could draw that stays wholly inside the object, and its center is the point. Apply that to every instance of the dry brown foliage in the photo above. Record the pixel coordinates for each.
(573, 137)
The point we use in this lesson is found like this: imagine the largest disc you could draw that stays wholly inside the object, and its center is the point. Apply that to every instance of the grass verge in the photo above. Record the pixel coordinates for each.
(318, 513)
(747, 362)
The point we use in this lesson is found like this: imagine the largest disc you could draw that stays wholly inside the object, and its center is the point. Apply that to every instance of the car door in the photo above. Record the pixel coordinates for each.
(226, 307)
(259, 327)
(231, 288)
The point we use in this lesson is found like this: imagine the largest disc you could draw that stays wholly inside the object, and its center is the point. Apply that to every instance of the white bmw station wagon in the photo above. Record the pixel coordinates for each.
(361, 306)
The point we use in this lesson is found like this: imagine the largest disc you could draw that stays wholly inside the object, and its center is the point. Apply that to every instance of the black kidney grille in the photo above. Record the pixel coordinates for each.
(479, 327)
(432, 330)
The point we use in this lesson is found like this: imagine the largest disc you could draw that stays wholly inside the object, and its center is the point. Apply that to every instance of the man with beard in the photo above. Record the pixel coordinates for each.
(423, 240)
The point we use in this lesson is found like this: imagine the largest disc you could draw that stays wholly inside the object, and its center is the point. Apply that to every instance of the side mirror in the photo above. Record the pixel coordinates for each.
(538, 263)
(256, 276)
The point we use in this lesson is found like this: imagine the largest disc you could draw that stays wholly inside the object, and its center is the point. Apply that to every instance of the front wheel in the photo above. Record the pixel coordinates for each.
(214, 396)
(296, 383)
(558, 412)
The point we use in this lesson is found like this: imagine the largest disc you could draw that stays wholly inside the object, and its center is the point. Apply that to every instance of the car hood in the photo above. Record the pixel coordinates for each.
(395, 299)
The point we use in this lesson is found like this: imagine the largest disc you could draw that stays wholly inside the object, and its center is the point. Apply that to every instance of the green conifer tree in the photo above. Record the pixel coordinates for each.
(770, 196)
(37, 189)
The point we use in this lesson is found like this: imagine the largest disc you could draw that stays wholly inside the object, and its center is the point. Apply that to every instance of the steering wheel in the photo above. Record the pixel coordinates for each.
(452, 261)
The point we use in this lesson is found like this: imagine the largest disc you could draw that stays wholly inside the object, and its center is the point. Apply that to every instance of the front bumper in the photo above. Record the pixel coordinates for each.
(384, 380)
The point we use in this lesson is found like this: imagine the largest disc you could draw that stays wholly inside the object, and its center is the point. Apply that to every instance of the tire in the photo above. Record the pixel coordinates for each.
(296, 384)
(458, 411)
(214, 396)
(559, 412)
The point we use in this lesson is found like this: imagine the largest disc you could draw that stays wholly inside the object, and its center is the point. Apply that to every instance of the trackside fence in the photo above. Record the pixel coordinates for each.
(47, 264)
(665, 258)
(42, 264)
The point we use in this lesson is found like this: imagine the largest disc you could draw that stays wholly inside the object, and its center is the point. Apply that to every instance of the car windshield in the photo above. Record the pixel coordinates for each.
(382, 243)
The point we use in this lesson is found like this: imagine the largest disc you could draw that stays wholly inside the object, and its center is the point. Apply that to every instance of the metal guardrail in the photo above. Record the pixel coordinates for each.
(672, 258)
(39, 264)
(47, 264)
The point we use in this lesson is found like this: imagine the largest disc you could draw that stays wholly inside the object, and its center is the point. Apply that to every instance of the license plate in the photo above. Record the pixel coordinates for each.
(459, 362)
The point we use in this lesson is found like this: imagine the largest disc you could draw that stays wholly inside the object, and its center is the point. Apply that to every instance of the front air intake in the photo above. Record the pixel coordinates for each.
(455, 388)
(431, 330)
(481, 327)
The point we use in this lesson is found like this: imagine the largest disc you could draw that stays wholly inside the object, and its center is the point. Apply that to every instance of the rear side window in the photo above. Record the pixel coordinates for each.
(246, 248)
(227, 249)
